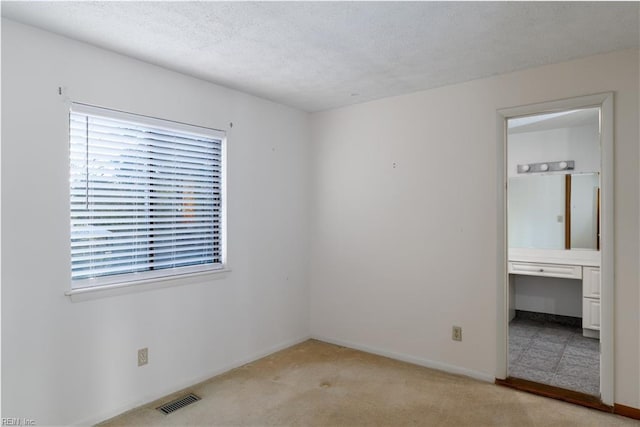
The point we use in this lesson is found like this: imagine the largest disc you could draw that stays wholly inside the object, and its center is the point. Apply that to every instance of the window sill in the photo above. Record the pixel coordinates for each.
(86, 294)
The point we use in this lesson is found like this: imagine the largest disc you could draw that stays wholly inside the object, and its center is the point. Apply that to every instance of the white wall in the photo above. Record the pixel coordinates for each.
(65, 362)
(579, 143)
(400, 254)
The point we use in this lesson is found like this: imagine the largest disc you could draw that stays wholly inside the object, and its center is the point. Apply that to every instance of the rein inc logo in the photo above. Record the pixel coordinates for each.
(15, 421)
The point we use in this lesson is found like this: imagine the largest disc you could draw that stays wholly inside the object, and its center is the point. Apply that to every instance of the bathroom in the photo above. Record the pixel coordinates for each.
(554, 252)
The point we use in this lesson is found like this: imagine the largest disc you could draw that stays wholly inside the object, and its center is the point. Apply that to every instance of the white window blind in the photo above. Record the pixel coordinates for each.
(145, 197)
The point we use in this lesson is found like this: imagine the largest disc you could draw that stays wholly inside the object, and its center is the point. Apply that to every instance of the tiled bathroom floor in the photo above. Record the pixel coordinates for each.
(554, 354)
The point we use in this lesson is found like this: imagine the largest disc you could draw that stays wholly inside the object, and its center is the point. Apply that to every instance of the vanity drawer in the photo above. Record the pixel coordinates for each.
(547, 270)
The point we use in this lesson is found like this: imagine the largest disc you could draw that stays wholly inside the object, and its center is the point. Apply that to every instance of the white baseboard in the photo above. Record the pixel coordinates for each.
(452, 369)
(590, 333)
(188, 383)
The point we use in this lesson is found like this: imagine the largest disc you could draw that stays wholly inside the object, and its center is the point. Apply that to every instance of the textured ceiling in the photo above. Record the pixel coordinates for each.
(322, 55)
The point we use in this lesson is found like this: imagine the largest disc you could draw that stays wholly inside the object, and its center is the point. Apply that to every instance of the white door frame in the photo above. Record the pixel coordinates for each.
(605, 102)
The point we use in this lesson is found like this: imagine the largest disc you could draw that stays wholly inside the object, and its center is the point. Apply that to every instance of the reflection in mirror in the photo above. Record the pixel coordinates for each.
(536, 211)
(584, 211)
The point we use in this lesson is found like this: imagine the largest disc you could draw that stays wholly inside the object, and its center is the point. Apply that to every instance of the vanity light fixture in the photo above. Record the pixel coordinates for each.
(547, 166)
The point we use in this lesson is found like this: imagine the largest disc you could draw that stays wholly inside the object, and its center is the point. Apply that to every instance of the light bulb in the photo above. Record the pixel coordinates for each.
(544, 167)
(525, 168)
(563, 165)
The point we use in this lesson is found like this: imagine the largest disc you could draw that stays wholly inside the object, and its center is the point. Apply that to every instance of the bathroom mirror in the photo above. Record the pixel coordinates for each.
(536, 211)
(555, 211)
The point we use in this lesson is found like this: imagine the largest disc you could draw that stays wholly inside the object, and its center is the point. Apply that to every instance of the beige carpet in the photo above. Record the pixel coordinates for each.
(319, 384)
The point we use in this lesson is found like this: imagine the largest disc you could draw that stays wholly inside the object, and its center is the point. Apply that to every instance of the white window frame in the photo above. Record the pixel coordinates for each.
(151, 277)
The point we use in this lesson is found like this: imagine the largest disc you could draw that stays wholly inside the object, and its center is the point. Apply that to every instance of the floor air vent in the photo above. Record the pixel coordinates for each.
(181, 402)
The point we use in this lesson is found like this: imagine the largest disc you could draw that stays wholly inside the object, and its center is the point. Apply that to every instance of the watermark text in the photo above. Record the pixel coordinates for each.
(17, 421)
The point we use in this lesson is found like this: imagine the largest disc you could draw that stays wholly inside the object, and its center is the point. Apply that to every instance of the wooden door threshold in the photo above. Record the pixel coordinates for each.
(558, 393)
(626, 411)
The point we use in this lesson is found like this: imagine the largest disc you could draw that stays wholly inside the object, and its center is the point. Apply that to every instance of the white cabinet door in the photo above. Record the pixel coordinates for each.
(591, 282)
(591, 313)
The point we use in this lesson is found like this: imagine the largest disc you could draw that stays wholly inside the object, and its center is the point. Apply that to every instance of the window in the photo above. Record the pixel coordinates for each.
(145, 197)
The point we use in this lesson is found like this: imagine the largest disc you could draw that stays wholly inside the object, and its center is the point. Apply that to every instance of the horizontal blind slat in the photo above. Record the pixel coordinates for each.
(158, 234)
(152, 193)
(197, 211)
(107, 256)
(137, 200)
(80, 250)
(148, 184)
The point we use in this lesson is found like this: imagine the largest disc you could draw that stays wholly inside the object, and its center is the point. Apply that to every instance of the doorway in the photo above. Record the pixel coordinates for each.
(555, 252)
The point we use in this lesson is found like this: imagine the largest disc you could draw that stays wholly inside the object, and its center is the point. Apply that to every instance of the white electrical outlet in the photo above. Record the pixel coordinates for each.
(456, 333)
(143, 356)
